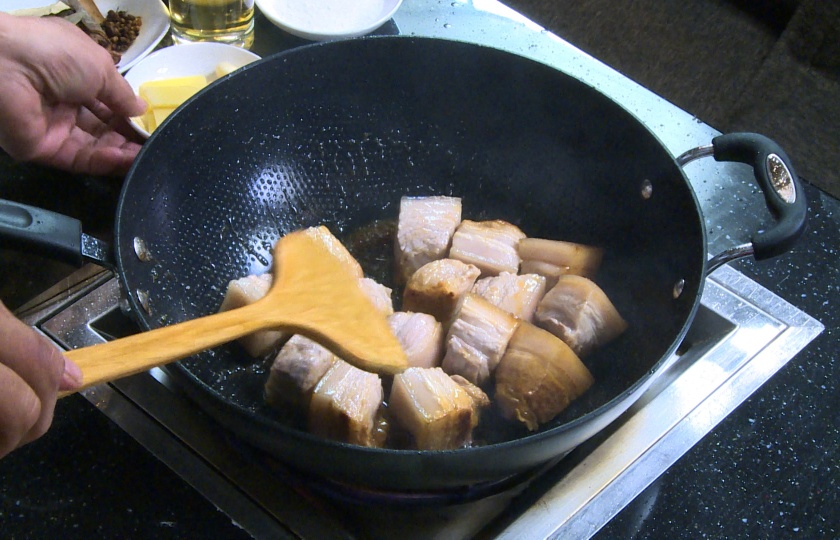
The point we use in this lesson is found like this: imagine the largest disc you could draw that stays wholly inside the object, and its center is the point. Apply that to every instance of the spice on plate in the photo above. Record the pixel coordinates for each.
(121, 29)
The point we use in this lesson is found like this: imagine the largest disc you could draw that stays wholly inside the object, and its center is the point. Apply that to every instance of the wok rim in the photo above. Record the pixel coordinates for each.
(606, 412)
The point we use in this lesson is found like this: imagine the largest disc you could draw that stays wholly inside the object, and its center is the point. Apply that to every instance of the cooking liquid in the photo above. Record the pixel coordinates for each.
(223, 21)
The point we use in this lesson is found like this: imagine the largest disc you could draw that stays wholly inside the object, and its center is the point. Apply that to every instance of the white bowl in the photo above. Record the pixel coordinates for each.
(182, 61)
(325, 20)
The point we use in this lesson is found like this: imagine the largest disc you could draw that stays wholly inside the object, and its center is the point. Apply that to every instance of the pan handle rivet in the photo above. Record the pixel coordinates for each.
(647, 189)
(141, 250)
(678, 288)
(143, 298)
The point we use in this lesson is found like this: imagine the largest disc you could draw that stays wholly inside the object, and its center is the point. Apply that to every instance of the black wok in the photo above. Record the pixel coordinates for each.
(335, 134)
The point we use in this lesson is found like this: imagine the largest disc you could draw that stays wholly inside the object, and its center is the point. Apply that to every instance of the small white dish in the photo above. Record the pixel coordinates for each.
(153, 12)
(325, 20)
(183, 61)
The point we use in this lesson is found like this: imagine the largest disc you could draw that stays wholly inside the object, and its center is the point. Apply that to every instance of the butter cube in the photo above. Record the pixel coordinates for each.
(224, 68)
(170, 93)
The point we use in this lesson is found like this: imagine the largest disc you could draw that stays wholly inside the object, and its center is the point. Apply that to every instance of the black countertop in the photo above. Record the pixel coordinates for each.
(770, 469)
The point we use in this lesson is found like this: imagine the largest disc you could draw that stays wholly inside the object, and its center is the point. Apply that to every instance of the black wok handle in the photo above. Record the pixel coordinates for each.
(54, 235)
(782, 189)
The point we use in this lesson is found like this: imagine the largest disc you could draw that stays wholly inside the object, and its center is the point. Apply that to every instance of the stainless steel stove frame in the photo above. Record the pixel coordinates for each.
(742, 335)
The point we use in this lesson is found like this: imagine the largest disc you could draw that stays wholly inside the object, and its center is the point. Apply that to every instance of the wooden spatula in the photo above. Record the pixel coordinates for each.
(311, 294)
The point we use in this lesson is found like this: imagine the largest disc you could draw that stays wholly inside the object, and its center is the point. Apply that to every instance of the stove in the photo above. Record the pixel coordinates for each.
(742, 335)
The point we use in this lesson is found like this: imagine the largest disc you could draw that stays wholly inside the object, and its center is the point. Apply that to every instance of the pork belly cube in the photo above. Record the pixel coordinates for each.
(379, 295)
(489, 245)
(477, 339)
(479, 398)
(421, 337)
(439, 413)
(243, 292)
(438, 288)
(334, 245)
(553, 258)
(516, 294)
(345, 405)
(424, 232)
(538, 377)
(296, 370)
(579, 312)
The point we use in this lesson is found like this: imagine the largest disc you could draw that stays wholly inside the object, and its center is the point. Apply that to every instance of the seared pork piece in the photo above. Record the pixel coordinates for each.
(577, 311)
(480, 399)
(516, 294)
(437, 411)
(345, 405)
(379, 295)
(477, 339)
(424, 232)
(421, 337)
(243, 292)
(553, 258)
(538, 377)
(438, 288)
(296, 370)
(489, 245)
(335, 247)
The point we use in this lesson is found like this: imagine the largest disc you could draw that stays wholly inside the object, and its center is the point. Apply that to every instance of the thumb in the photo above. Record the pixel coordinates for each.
(118, 96)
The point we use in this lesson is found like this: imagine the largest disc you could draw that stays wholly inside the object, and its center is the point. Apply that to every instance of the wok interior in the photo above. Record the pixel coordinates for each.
(336, 133)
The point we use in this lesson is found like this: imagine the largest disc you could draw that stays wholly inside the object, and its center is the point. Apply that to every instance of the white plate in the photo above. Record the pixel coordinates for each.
(182, 61)
(153, 12)
(324, 20)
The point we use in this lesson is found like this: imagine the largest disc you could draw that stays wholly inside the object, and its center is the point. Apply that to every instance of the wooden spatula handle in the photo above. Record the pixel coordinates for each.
(143, 351)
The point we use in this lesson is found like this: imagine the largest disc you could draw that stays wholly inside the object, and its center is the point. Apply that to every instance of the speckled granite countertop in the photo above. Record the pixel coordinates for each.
(768, 470)
(771, 468)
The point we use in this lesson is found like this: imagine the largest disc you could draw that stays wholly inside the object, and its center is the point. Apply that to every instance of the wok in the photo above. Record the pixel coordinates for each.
(334, 134)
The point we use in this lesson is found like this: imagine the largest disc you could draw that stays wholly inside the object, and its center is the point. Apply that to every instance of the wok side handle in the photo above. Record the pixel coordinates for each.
(29, 228)
(54, 235)
(782, 189)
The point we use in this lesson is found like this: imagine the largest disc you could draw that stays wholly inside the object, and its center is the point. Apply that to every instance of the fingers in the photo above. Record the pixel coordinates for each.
(20, 411)
(118, 95)
(88, 145)
(31, 372)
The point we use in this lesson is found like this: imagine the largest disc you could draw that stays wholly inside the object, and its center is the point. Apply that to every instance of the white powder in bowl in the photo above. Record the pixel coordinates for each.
(330, 16)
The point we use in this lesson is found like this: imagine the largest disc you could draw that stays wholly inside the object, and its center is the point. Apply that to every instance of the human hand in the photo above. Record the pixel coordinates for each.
(62, 101)
(32, 372)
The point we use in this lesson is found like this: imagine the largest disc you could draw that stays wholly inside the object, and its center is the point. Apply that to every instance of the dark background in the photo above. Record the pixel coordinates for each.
(769, 66)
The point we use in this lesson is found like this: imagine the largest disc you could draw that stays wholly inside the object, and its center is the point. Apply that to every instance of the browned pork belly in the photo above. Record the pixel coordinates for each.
(421, 337)
(553, 258)
(577, 311)
(345, 405)
(477, 339)
(335, 247)
(439, 413)
(489, 245)
(516, 294)
(438, 288)
(245, 291)
(379, 295)
(480, 399)
(296, 370)
(538, 377)
(424, 232)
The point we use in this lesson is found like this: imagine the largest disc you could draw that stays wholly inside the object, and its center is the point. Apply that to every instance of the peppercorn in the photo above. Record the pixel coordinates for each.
(122, 29)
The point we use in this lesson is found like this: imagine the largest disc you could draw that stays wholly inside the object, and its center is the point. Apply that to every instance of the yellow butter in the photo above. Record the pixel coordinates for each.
(224, 68)
(167, 93)
(161, 114)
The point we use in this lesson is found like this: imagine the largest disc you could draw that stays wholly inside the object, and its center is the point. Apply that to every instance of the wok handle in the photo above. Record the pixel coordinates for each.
(26, 227)
(782, 190)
